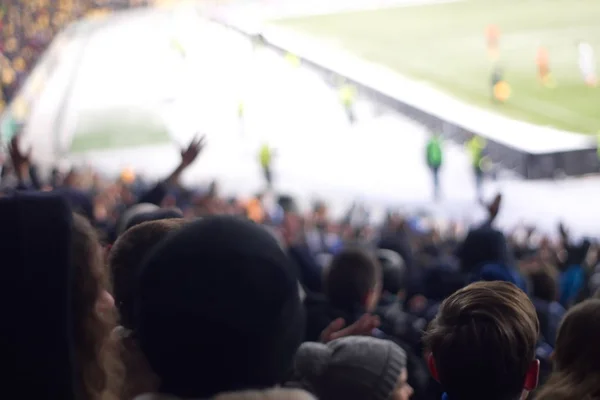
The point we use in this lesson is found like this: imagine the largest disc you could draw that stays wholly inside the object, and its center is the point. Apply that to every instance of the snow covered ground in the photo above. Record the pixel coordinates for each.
(319, 155)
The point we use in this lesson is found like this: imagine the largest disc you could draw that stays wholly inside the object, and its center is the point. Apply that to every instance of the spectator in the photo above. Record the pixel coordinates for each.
(577, 356)
(394, 237)
(353, 368)
(95, 316)
(484, 256)
(352, 287)
(125, 261)
(157, 215)
(482, 343)
(273, 394)
(60, 310)
(353, 281)
(544, 298)
(572, 280)
(218, 309)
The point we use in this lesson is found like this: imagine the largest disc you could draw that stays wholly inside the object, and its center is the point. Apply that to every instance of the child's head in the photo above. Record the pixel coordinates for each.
(483, 341)
(353, 368)
(353, 280)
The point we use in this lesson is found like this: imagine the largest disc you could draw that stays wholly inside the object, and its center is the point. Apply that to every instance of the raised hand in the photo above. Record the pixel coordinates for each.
(494, 207)
(189, 154)
(20, 160)
(337, 329)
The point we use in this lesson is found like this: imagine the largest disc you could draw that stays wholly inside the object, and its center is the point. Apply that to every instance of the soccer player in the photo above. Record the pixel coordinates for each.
(492, 35)
(587, 64)
(500, 88)
(543, 64)
(433, 154)
(347, 98)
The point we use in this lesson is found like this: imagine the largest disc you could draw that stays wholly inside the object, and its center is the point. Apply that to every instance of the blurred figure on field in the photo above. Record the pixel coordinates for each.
(434, 159)
(492, 34)
(348, 98)
(265, 157)
(587, 64)
(543, 66)
(477, 149)
(241, 120)
(500, 88)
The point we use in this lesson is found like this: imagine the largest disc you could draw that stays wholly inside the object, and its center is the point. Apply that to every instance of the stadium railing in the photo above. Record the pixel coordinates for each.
(533, 152)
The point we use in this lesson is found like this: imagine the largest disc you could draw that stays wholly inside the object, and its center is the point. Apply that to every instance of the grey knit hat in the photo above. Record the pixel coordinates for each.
(350, 368)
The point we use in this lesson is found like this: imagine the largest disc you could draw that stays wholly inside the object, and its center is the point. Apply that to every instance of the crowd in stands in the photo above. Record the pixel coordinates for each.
(27, 27)
(125, 289)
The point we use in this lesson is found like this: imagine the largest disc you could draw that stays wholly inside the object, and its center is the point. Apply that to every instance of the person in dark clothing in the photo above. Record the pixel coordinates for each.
(544, 296)
(395, 237)
(236, 322)
(395, 322)
(484, 256)
(352, 286)
(572, 280)
(125, 261)
(576, 358)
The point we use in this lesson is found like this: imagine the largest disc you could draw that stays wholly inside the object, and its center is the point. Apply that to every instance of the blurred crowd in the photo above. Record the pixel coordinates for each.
(27, 27)
(124, 288)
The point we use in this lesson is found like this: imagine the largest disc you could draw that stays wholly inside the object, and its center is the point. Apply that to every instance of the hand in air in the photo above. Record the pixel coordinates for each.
(189, 154)
(337, 329)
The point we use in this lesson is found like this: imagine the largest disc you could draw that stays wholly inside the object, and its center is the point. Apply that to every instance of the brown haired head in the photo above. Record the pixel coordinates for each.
(125, 259)
(353, 280)
(483, 341)
(576, 356)
(95, 317)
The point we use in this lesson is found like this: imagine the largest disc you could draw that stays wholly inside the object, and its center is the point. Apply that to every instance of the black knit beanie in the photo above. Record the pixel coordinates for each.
(218, 309)
(351, 368)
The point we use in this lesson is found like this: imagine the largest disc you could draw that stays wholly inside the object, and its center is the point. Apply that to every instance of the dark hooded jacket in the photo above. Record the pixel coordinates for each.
(36, 343)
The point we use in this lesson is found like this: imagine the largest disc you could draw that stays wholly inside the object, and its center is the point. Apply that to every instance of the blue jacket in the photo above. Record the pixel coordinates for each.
(499, 272)
(570, 283)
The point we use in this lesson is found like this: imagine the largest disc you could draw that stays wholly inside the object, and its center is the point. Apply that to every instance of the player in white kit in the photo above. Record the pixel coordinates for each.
(587, 63)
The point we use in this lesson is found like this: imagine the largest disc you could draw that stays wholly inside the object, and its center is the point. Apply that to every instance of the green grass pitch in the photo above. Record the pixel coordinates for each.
(118, 128)
(444, 45)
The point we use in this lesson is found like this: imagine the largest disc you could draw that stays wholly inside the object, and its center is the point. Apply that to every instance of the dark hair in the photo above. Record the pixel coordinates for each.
(352, 274)
(125, 260)
(544, 286)
(576, 356)
(483, 341)
(99, 368)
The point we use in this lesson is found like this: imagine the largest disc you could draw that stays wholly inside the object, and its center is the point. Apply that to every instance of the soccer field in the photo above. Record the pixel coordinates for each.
(444, 44)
